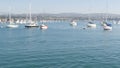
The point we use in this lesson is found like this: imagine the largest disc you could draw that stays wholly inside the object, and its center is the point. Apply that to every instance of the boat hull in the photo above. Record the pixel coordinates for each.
(107, 28)
(31, 25)
(12, 26)
(73, 24)
(44, 27)
(27, 26)
(91, 25)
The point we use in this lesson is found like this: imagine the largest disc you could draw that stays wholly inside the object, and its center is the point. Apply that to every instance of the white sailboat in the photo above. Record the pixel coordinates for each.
(73, 23)
(31, 25)
(91, 24)
(11, 24)
(107, 26)
(30, 22)
(43, 26)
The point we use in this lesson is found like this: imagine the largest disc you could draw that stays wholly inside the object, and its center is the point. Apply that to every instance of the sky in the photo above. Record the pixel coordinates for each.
(61, 6)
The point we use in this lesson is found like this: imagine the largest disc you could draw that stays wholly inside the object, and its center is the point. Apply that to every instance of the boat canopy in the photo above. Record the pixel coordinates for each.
(109, 24)
(91, 22)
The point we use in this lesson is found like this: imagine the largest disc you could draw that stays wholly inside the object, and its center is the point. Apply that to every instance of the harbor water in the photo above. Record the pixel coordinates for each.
(60, 46)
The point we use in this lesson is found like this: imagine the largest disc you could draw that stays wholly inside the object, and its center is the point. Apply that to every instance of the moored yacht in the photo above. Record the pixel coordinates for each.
(10, 21)
(31, 23)
(73, 23)
(43, 26)
(107, 26)
(91, 24)
(12, 26)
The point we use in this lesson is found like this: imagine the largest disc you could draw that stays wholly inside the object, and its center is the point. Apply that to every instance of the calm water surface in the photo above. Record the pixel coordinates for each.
(61, 46)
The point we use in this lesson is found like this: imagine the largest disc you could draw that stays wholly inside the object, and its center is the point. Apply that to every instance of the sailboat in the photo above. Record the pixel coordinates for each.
(31, 25)
(73, 23)
(107, 26)
(30, 22)
(11, 24)
(91, 24)
(43, 26)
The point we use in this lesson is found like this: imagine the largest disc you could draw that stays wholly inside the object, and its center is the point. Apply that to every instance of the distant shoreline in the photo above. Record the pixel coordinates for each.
(63, 16)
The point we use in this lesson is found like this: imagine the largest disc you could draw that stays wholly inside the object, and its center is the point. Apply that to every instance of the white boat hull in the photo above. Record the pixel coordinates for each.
(31, 25)
(12, 26)
(44, 27)
(107, 28)
(73, 24)
(91, 25)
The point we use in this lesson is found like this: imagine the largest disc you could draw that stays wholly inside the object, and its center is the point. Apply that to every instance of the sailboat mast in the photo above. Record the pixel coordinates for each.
(106, 10)
(30, 12)
(9, 15)
(9, 11)
(89, 9)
